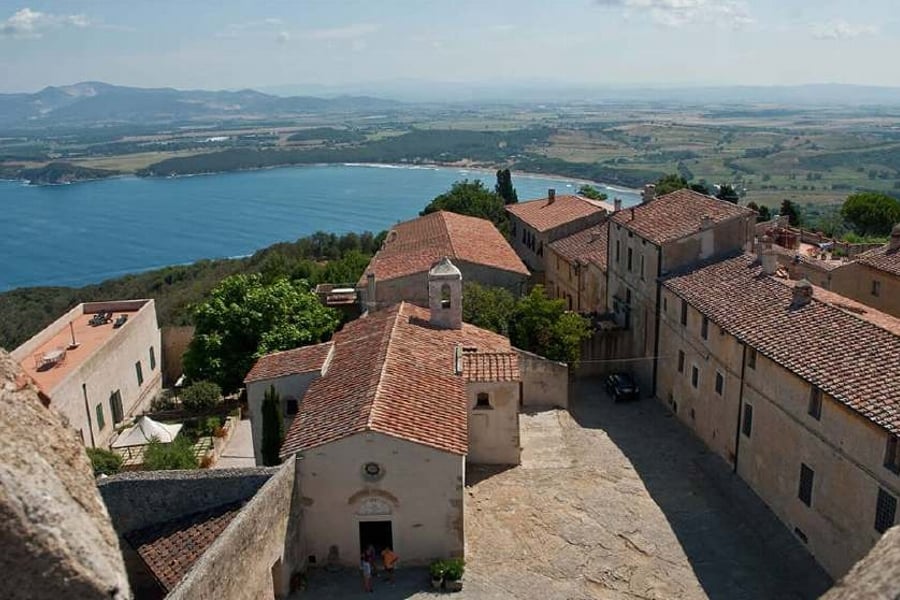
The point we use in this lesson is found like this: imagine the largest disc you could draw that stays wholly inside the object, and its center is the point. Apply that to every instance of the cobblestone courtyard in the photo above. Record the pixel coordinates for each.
(616, 502)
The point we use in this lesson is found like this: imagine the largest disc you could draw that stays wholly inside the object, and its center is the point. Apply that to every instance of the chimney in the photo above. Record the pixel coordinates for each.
(649, 193)
(767, 256)
(595, 235)
(706, 222)
(445, 295)
(551, 196)
(370, 291)
(617, 204)
(894, 244)
(803, 293)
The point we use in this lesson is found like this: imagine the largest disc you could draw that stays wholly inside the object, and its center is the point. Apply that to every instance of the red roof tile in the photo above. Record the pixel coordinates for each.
(846, 349)
(883, 259)
(490, 366)
(676, 215)
(589, 245)
(290, 362)
(170, 549)
(392, 372)
(543, 215)
(414, 246)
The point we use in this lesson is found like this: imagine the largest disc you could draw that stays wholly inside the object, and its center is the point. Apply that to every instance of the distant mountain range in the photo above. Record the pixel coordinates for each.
(95, 102)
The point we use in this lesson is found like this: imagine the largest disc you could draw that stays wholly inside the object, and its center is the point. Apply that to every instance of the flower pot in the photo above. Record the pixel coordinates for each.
(436, 583)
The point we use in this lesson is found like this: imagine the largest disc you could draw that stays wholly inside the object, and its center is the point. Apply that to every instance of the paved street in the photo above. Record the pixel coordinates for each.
(614, 502)
(239, 451)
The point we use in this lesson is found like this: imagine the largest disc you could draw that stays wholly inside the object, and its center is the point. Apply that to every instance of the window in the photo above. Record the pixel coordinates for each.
(720, 383)
(483, 400)
(695, 376)
(665, 304)
(557, 263)
(806, 484)
(540, 249)
(892, 454)
(681, 361)
(445, 296)
(747, 425)
(751, 358)
(101, 422)
(684, 312)
(885, 510)
(291, 407)
(115, 407)
(152, 359)
(139, 372)
(704, 328)
(629, 258)
(876, 288)
(815, 403)
(618, 252)
(642, 266)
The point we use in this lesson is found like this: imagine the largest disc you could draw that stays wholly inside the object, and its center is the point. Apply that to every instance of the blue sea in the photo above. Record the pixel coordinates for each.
(87, 232)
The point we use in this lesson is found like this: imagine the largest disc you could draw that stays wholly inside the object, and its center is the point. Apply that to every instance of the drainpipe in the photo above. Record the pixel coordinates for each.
(657, 319)
(87, 411)
(737, 434)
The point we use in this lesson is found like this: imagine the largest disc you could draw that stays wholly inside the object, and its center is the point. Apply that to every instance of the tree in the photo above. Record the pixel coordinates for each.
(488, 307)
(471, 198)
(700, 188)
(245, 318)
(670, 183)
(272, 427)
(177, 454)
(871, 213)
(504, 187)
(201, 396)
(728, 193)
(792, 212)
(543, 326)
(105, 462)
(589, 191)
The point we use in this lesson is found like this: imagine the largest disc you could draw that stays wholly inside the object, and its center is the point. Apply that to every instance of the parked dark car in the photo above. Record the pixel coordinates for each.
(622, 387)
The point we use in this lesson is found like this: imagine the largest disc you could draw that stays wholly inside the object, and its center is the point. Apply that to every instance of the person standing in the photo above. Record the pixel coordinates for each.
(389, 558)
(366, 568)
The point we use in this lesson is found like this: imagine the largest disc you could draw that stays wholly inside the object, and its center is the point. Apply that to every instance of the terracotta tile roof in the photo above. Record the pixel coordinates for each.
(588, 246)
(393, 373)
(543, 215)
(290, 362)
(170, 549)
(413, 246)
(676, 215)
(883, 259)
(490, 366)
(849, 351)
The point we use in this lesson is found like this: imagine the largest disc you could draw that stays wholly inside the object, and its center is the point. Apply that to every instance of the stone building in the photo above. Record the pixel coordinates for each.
(399, 270)
(654, 238)
(576, 269)
(536, 223)
(874, 277)
(797, 387)
(99, 364)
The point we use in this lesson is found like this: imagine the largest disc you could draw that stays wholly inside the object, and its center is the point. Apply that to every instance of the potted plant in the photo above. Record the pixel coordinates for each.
(436, 569)
(453, 572)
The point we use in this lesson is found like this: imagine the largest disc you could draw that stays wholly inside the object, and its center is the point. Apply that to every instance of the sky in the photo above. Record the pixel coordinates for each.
(229, 44)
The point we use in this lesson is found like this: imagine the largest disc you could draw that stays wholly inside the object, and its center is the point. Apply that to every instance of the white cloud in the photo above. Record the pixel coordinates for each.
(677, 13)
(233, 30)
(31, 24)
(841, 30)
(348, 32)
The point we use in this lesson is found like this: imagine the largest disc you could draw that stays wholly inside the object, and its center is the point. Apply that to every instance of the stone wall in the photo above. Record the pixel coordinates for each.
(259, 550)
(175, 341)
(139, 499)
(545, 383)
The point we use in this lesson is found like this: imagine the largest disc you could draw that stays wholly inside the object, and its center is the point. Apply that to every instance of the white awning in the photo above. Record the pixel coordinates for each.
(144, 431)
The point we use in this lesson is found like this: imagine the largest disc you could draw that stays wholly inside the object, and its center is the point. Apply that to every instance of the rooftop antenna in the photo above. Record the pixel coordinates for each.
(74, 343)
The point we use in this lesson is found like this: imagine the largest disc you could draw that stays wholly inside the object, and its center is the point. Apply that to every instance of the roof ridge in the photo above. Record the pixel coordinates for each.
(446, 224)
(385, 355)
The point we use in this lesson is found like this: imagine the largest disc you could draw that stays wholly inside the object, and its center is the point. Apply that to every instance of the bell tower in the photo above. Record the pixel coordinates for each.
(445, 295)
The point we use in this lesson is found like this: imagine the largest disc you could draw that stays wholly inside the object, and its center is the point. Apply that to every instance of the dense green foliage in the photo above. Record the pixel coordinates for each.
(762, 212)
(244, 318)
(670, 183)
(871, 213)
(792, 212)
(318, 258)
(488, 307)
(62, 172)
(329, 134)
(589, 191)
(627, 176)
(504, 187)
(104, 462)
(177, 454)
(728, 193)
(471, 198)
(545, 327)
(201, 396)
(272, 427)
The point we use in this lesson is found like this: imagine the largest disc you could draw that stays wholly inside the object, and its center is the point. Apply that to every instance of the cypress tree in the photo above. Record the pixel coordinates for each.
(272, 427)
(504, 187)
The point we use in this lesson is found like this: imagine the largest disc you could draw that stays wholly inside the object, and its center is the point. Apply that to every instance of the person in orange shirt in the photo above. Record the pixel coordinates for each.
(390, 561)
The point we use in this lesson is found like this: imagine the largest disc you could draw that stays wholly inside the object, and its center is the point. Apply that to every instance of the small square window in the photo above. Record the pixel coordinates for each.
(747, 424)
(806, 484)
(720, 383)
(695, 376)
(681, 361)
(291, 407)
(885, 511)
(483, 401)
(815, 403)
